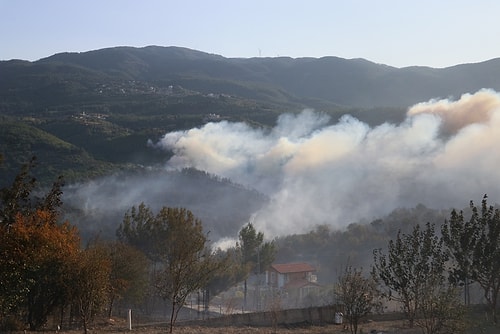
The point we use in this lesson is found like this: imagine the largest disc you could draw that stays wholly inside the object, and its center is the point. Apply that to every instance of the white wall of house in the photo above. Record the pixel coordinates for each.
(281, 280)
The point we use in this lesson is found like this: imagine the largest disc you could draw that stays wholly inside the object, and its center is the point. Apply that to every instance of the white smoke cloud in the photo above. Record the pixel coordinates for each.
(442, 155)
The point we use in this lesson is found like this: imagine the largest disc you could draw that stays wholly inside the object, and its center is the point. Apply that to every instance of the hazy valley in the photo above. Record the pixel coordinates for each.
(331, 154)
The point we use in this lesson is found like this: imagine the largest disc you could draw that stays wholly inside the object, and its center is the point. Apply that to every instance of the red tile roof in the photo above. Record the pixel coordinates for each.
(293, 268)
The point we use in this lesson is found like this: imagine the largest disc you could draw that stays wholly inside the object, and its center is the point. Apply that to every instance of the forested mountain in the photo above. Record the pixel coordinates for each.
(348, 82)
(102, 106)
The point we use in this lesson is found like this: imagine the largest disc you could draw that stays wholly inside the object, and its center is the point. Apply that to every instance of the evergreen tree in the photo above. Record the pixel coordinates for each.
(256, 255)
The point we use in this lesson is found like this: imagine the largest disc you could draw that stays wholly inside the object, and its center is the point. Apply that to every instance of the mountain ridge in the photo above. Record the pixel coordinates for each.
(108, 102)
(351, 82)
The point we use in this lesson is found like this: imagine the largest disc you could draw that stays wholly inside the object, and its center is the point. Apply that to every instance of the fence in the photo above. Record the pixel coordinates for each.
(313, 315)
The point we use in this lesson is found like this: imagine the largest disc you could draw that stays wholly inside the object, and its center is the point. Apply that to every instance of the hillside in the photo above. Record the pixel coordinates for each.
(99, 108)
(348, 82)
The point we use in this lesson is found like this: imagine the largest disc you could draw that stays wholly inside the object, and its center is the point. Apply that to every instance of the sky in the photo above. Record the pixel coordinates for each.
(393, 32)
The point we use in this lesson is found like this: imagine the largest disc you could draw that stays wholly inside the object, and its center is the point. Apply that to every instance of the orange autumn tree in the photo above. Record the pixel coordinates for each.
(36, 251)
(36, 255)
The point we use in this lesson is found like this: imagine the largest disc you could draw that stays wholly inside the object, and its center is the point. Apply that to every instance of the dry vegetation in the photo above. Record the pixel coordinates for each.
(120, 326)
(477, 324)
(384, 327)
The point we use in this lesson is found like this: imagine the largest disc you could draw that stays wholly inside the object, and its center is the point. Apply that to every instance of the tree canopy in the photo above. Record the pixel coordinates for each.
(37, 250)
(176, 241)
(414, 263)
(358, 295)
(256, 255)
(474, 244)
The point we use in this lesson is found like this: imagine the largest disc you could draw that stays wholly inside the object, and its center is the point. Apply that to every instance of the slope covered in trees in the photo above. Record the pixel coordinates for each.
(107, 103)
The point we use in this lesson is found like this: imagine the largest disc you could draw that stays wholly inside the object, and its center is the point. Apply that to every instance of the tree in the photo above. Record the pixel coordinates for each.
(413, 267)
(19, 198)
(178, 243)
(440, 310)
(475, 247)
(35, 248)
(16, 198)
(358, 294)
(90, 282)
(128, 275)
(36, 258)
(255, 254)
(460, 238)
(486, 263)
(139, 229)
(229, 274)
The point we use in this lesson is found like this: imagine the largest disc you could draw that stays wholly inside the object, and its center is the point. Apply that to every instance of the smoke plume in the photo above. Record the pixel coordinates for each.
(442, 155)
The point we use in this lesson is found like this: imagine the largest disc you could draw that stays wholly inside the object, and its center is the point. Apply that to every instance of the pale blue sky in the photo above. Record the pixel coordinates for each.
(399, 33)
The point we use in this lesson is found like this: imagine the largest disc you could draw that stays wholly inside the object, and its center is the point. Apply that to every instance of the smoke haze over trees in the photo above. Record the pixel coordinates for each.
(317, 172)
(304, 170)
(309, 170)
(96, 110)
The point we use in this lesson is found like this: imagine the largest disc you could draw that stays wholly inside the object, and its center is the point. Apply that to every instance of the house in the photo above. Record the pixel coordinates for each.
(297, 280)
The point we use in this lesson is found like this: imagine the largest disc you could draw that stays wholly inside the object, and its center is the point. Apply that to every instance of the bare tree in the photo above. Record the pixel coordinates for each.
(275, 309)
(358, 294)
(441, 311)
